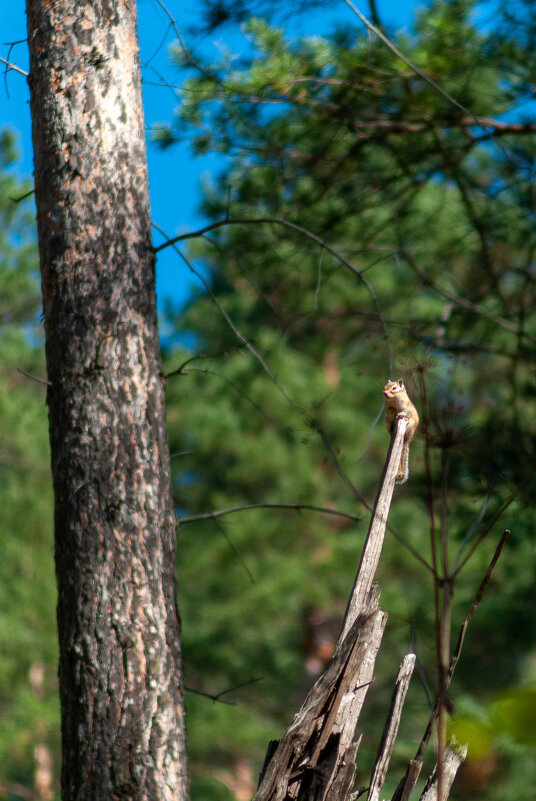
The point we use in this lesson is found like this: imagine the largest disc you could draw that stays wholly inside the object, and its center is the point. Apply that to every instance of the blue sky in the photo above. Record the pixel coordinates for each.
(174, 175)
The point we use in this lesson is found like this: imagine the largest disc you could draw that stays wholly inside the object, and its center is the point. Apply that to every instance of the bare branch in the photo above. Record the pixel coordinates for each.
(453, 756)
(295, 227)
(467, 304)
(489, 526)
(476, 603)
(376, 533)
(234, 386)
(408, 782)
(296, 506)
(10, 66)
(355, 492)
(34, 377)
(391, 727)
(211, 696)
(218, 697)
(237, 332)
(409, 63)
(22, 197)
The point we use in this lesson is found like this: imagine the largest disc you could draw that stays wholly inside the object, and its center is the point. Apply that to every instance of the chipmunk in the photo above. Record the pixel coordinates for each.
(397, 402)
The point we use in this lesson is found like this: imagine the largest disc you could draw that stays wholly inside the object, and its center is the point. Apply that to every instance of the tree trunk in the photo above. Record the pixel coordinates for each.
(120, 666)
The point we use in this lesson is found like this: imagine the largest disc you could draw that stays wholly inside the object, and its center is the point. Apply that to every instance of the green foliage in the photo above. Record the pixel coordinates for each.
(409, 253)
(29, 710)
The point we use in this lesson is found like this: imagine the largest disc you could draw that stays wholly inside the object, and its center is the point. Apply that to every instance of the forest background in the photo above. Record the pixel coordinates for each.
(397, 241)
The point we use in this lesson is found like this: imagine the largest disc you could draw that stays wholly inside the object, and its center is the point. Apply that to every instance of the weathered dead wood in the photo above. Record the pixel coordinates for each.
(376, 533)
(453, 756)
(315, 760)
(317, 751)
(390, 730)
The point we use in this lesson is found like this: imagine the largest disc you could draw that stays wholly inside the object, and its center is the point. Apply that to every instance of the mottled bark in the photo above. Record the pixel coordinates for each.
(120, 666)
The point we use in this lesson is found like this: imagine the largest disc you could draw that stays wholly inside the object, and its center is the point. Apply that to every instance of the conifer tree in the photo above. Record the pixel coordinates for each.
(120, 655)
(367, 227)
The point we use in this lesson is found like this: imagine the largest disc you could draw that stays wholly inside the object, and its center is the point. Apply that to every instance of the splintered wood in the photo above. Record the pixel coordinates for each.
(315, 759)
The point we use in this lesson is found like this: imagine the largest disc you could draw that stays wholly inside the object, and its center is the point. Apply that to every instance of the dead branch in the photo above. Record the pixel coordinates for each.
(10, 66)
(453, 756)
(376, 534)
(244, 507)
(390, 730)
(315, 760)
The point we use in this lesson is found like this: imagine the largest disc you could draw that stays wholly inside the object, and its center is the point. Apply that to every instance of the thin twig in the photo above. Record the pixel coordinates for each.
(34, 377)
(22, 197)
(467, 304)
(489, 526)
(233, 386)
(409, 63)
(476, 603)
(180, 370)
(237, 332)
(14, 67)
(215, 698)
(407, 783)
(218, 697)
(295, 227)
(296, 506)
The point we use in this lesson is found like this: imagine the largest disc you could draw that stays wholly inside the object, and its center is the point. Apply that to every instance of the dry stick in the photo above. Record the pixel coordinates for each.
(408, 782)
(355, 492)
(319, 747)
(295, 227)
(376, 533)
(453, 756)
(390, 730)
(315, 758)
(10, 66)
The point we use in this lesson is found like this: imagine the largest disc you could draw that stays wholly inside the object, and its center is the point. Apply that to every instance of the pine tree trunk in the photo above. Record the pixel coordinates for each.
(120, 666)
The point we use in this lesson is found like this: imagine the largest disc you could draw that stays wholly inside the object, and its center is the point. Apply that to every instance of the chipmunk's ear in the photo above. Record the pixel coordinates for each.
(400, 383)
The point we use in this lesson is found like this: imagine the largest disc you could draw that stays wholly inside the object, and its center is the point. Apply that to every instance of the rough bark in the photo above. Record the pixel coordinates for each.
(120, 666)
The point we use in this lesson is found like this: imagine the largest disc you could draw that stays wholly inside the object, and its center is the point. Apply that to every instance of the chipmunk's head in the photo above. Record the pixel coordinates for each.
(393, 388)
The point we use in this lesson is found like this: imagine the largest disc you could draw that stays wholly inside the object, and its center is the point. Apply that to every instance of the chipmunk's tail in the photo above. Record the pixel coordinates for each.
(403, 468)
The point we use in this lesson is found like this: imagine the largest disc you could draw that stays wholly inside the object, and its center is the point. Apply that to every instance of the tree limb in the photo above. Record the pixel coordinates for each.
(296, 506)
